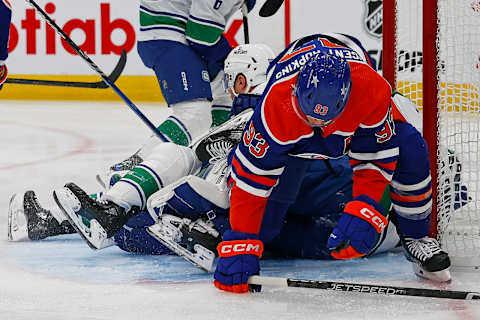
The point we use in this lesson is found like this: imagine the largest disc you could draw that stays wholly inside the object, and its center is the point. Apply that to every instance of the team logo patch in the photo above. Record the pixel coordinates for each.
(373, 17)
(205, 76)
(320, 109)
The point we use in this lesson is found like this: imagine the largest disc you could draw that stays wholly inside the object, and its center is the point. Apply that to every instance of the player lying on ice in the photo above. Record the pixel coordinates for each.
(303, 222)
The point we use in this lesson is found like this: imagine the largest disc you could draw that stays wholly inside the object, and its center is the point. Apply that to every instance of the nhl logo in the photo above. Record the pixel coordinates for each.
(373, 17)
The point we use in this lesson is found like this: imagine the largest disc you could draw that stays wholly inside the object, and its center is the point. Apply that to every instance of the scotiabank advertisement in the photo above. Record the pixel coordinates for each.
(103, 28)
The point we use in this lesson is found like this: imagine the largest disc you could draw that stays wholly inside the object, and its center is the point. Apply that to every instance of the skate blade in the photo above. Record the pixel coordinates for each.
(437, 276)
(17, 222)
(95, 236)
(202, 258)
(100, 181)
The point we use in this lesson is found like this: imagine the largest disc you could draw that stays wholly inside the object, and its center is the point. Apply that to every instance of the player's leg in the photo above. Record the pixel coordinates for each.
(411, 193)
(28, 220)
(185, 85)
(134, 238)
(167, 163)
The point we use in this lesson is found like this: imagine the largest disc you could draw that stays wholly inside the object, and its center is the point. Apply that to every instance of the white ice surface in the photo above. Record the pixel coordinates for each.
(44, 145)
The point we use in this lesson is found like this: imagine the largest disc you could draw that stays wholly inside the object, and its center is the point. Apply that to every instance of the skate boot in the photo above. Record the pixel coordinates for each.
(27, 220)
(96, 220)
(196, 241)
(429, 261)
(118, 170)
(127, 164)
(219, 141)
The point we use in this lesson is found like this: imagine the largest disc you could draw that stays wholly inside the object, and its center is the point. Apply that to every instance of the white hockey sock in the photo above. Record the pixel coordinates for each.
(166, 164)
(189, 119)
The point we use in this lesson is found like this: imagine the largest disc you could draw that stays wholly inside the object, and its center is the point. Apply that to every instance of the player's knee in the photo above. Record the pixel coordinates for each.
(172, 162)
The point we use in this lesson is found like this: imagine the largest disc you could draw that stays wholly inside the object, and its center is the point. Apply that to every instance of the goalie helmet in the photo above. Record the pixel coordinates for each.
(323, 88)
(252, 61)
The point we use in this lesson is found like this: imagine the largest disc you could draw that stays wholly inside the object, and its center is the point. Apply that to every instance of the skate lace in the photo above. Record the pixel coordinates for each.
(203, 226)
(219, 149)
(423, 248)
(127, 164)
(41, 212)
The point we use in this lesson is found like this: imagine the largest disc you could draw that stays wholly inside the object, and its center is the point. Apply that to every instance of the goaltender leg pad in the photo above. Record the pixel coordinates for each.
(134, 238)
(181, 73)
(191, 197)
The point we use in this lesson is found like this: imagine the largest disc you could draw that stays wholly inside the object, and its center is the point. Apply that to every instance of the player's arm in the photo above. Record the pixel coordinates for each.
(257, 164)
(5, 18)
(204, 31)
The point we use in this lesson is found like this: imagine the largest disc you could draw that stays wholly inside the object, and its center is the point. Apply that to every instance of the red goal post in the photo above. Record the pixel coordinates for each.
(431, 54)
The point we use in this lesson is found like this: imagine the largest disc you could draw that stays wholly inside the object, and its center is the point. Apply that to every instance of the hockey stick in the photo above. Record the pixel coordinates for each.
(364, 288)
(270, 7)
(80, 52)
(78, 84)
(246, 35)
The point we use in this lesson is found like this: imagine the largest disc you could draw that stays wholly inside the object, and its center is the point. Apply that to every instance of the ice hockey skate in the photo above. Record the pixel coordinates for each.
(117, 171)
(28, 220)
(429, 261)
(96, 220)
(195, 241)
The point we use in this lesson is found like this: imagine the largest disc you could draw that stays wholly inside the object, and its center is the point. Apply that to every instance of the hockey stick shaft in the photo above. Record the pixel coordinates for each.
(77, 84)
(80, 52)
(364, 288)
(246, 34)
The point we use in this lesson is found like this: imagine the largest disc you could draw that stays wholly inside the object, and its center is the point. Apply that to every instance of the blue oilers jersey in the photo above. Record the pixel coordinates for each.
(279, 130)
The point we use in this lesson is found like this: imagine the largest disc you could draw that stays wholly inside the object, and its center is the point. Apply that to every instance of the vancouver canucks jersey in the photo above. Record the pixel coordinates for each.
(177, 20)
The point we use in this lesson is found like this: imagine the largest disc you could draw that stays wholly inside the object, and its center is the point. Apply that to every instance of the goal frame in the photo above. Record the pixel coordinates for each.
(429, 79)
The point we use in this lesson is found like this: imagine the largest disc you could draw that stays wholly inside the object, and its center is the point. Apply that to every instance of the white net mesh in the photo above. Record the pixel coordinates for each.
(458, 69)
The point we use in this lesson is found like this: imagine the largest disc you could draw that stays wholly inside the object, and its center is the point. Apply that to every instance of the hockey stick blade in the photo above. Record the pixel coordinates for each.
(364, 288)
(117, 71)
(270, 7)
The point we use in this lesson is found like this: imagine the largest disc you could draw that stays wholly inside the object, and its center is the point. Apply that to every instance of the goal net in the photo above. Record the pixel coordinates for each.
(432, 55)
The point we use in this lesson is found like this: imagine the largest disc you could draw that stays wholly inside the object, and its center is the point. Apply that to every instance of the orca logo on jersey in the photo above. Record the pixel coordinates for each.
(320, 109)
(388, 129)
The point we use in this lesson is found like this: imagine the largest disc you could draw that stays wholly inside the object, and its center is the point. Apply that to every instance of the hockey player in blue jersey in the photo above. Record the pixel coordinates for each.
(5, 18)
(183, 43)
(324, 100)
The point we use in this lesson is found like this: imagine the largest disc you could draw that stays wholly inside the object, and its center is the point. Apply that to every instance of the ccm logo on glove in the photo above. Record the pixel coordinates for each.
(368, 213)
(235, 247)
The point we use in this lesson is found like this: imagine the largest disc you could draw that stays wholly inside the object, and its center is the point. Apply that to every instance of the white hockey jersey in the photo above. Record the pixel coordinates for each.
(202, 21)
